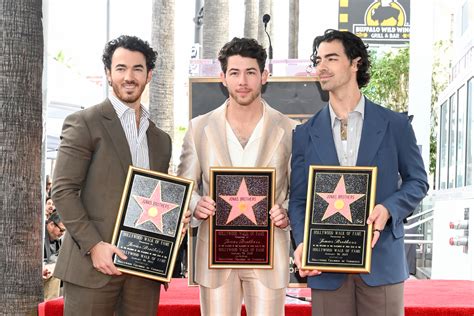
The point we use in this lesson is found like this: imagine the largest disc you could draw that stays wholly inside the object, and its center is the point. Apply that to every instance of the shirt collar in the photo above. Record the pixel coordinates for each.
(360, 108)
(264, 109)
(258, 130)
(120, 108)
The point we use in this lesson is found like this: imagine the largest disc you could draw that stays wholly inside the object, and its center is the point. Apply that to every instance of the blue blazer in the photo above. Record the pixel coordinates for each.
(388, 142)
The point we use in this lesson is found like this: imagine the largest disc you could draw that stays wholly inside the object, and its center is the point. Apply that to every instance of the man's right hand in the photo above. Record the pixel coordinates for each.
(303, 273)
(46, 273)
(205, 207)
(101, 255)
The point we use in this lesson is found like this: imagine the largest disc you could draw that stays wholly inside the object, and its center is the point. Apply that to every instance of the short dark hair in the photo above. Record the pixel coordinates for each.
(132, 43)
(54, 217)
(245, 47)
(353, 47)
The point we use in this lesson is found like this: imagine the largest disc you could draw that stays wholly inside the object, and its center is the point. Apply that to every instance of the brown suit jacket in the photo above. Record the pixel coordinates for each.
(205, 146)
(89, 177)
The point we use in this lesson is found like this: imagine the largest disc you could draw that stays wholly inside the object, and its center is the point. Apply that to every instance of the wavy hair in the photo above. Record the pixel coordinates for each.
(132, 43)
(353, 47)
(245, 47)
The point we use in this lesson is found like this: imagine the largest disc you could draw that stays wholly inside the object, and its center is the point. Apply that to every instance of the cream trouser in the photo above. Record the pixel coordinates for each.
(226, 300)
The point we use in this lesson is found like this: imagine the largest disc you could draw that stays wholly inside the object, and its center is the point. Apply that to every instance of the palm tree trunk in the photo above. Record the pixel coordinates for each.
(162, 83)
(21, 220)
(294, 20)
(251, 19)
(215, 27)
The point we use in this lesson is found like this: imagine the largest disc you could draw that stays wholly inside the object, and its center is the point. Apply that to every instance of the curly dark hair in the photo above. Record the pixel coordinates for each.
(54, 217)
(132, 43)
(245, 47)
(353, 47)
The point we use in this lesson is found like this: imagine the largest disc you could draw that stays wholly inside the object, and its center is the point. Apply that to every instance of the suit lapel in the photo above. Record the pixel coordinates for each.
(216, 134)
(271, 137)
(117, 135)
(322, 138)
(153, 147)
(373, 131)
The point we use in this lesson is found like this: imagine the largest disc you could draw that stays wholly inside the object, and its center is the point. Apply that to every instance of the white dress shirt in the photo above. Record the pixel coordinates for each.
(136, 137)
(247, 156)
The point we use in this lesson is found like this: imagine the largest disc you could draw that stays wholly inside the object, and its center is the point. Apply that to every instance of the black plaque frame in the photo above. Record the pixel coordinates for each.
(234, 241)
(336, 236)
(151, 251)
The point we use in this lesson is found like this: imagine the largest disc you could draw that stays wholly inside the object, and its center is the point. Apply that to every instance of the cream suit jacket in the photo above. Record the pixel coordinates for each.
(205, 146)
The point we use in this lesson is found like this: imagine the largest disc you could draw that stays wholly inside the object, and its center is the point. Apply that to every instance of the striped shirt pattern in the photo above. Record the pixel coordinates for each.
(136, 138)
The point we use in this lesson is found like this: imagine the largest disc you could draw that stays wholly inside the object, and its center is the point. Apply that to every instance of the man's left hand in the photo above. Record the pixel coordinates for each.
(279, 216)
(378, 218)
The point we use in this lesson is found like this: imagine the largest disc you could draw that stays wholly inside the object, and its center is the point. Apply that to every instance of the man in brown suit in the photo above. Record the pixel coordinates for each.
(243, 132)
(97, 146)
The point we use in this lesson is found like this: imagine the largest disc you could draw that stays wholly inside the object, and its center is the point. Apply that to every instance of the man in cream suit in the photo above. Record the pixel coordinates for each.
(97, 147)
(243, 132)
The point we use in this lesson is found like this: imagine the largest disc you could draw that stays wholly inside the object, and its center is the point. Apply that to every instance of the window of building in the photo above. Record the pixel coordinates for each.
(452, 141)
(464, 17)
(469, 132)
(443, 146)
(461, 138)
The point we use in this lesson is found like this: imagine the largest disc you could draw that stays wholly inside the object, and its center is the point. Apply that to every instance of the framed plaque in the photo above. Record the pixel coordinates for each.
(149, 223)
(336, 236)
(241, 232)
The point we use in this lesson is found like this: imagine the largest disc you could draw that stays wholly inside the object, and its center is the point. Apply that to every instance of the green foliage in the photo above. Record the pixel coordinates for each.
(389, 79)
(61, 57)
(179, 132)
(389, 84)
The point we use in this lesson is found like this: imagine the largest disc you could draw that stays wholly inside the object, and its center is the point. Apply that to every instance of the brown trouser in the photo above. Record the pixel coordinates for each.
(355, 298)
(126, 295)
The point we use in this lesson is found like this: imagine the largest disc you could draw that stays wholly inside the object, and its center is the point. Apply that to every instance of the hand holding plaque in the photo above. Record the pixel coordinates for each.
(340, 200)
(150, 223)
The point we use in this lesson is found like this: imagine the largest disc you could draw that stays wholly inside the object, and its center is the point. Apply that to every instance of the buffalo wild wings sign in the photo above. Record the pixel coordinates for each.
(376, 21)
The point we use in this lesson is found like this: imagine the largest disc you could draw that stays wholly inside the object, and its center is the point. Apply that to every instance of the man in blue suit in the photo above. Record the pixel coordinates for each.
(353, 131)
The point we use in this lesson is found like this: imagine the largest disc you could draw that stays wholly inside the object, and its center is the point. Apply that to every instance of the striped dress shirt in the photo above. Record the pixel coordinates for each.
(136, 137)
